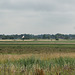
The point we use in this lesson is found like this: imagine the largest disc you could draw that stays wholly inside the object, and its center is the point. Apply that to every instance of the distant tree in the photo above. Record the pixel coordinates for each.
(4, 37)
(48, 36)
(35, 38)
(44, 36)
(56, 38)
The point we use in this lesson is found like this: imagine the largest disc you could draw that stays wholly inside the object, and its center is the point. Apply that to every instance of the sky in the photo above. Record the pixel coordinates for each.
(37, 16)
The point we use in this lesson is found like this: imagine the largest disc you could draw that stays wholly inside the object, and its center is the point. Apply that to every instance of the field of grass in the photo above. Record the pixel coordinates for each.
(40, 41)
(37, 57)
(35, 48)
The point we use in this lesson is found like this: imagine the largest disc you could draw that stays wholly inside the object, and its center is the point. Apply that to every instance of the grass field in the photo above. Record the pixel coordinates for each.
(37, 57)
(40, 41)
(35, 48)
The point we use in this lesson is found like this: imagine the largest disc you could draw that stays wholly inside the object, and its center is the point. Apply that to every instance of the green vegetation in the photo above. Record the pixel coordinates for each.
(35, 48)
(37, 57)
(40, 41)
(33, 66)
(42, 36)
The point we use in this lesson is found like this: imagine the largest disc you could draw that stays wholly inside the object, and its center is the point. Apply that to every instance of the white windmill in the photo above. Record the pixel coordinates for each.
(23, 37)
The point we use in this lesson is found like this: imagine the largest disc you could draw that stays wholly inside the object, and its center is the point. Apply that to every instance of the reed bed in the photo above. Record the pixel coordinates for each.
(38, 66)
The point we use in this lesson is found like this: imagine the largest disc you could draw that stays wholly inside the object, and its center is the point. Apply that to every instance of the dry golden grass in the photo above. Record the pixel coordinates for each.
(43, 56)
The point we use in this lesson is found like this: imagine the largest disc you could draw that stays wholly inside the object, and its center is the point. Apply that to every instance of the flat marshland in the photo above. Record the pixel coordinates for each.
(41, 57)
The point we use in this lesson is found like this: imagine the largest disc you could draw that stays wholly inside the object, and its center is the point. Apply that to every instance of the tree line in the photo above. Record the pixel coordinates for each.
(42, 36)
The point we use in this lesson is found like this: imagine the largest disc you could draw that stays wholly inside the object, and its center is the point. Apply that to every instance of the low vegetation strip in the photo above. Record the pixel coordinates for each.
(33, 66)
(38, 48)
(42, 56)
(37, 42)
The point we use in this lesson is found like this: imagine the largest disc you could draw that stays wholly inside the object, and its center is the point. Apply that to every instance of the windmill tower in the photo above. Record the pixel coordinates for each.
(23, 38)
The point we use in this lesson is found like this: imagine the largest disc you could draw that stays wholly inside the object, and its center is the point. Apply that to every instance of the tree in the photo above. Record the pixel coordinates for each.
(44, 36)
(56, 38)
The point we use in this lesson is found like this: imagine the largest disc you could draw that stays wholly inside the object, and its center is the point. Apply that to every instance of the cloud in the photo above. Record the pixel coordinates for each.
(37, 5)
(37, 16)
